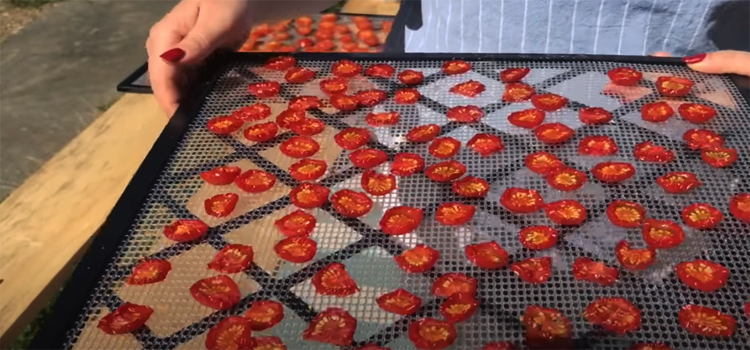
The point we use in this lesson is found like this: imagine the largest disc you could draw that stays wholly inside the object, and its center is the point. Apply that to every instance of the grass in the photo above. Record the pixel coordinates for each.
(28, 3)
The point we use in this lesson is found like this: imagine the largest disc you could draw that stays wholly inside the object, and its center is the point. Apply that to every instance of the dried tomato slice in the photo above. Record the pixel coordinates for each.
(456, 67)
(649, 152)
(586, 269)
(421, 258)
(406, 164)
(185, 230)
(350, 203)
(220, 176)
(613, 172)
(548, 102)
(423, 133)
(305, 43)
(221, 205)
(308, 169)
(459, 307)
(700, 139)
(635, 259)
(566, 179)
(399, 302)
(411, 77)
(454, 214)
(471, 187)
(298, 75)
(624, 76)
(527, 118)
(224, 125)
(296, 249)
(656, 112)
(254, 112)
(702, 275)
(545, 324)
(487, 255)
(125, 319)
(370, 98)
(304, 30)
(255, 181)
(513, 75)
(261, 132)
(232, 332)
(378, 184)
(566, 212)
(295, 224)
(280, 62)
(299, 147)
(382, 119)
(401, 220)
(499, 346)
(218, 292)
(334, 280)
(309, 195)
(432, 334)
(308, 127)
(719, 157)
(380, 70)
(352, 138)
(673, 86)
(264, 89)
(553, 133)
(617, 315)
(517, 92)
(264, 314)
(344, 102)
(594, 116)
(533, 270)
(289, 117)
(706, 321)
(626, 214)
(597, 146)
(465, 114)
(696, 113)
(445, 171)
(232, 258)
(346, 69)
(662, 234)
(739, 206)
(650, 346)
(444, 147)
(485, 144)
(543, 163)
(333, 326)
(470, 88)
(521, 200)
(538, 237)
(452, 283)
(678, 182)
(702, 216)
(367, 158)
(407, 96)
(334, 86)
(149, 271)
(269, 343)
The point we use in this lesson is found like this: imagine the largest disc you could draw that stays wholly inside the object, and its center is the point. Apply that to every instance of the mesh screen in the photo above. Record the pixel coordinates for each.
(181, 322)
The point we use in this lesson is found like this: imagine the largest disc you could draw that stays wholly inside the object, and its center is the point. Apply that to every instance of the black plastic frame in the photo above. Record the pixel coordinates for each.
(88, 272)
(128, 84)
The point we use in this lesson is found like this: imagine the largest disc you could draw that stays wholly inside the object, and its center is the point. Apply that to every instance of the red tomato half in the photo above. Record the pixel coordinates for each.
(421, 258)
(411, 77)
(185, 230)
(649, 152)
(125, 319)
(378, 184)
(308, 169)
(261, 132)
(586, 269)
(739, 206)
(634, 259)
(533, 270)
(149, 271)
(308, 127)
(298, 75)
(701, 139)
(719, 157)
(295, 224)
(224, 125)
(459, 307)
(269, 343)
(255, 181)
(548, 102)
(333, 326)
(613, 172)
(598, 146)
(566, 179)
(465, 114)
(264, 314)
(673, 86)
(344, 102)
(594, 116)
(678, 182)
(656, 112)
(521, 200)
(445, 171)
(444, 147)
(406, 164)
(232, 258)
(454, 214)
(432, 334)
(401, 220)
(296, 249)
(517, 92)
(544, 324)
(452, 283)
(513, 75)
(626, 214)
(252, 113)
(290, 116)
(352, 138)
(470, 88)
(617, 315)
(538, 237)
(527, 118)
(221, 205)
(351, 204)
(696, 113)
(367, 158)
(218, 292)
(309, 195)
(471, 187)
(702, 216)
(334, 86)
(346, 69)
(456, 67)
(232, 332)
(370, 98)
(553, 133)
(543, 163)
(382, 119)
(334, 280)
(380, 70)
(423, 133)
(264, 89)
(280, 62)
(662, 234)
(399, 302)
(487, 255)
(702, 275)
(485, 144)
(706, 321)
(299, 147)
(624, 76)
(220, 176)
(407, 96)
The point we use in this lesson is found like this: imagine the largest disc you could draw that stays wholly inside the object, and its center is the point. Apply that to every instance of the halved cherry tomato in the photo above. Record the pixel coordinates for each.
(334, 86)
(299, 147)
(346, 69)
(218, 292)
(378, 184)
(380, 70)
(617, 315)
(369, 98)
(702, 216)
(286, 118)
(255, 181)
(220, 176)
(280, 62)
(696, 113)
(459, 307)
(445, 171)
(221, 205)
(517, 92)
(329, 17)
(521, 200)
(719, 157)
(513, 75)
(232, 332)
(264, 314)
(407, 164)
(308, 169)
(548, 102)
(185, 230)
(471, 187)
(566, 179)
(700, 139)
(252, 113)
(586, 269)
(352, 138)
(325, 45)
(487, 255)
(673, 86)
(344, 102)
(656, 112)
(649, 152)
(296, 249)
(407, 96)
(261, 132)
(401, 220)
(421, 258)
(367, 35)
(350, 203)
(545, 324)
(456, 67)
(703, 275)
(411, 77)
(305, 43)
(224, 125)
(626, 214)
(309, 195)
(553, 133)
(432, 334)
(382, 119)
(454, 214)
(264, 89)
(533, 270)
(298, 75)
(465, 114)
(272, 46)
(324, 34)
(444, 147)
(334, 280)
(527, 118)
(594, 115)
(304, 30)
(662, 234)
(303, 21)
(499, 346)
(304, 103)
(543, 163)
(650, 346)
(452, 283)
(367, 158)
(125, 319)
(538, 237)
(399, 302)
(269, 343)
(423, 133)
(470, 88)
(485, 144)
(612, 172)
(333, 326)
(597, 146)
(232, 258)
(149, 271)
(634, 259)
(308, 127)
(706, 321)
(678, 182)
(739, 206)
(295, 224)
(624, 76)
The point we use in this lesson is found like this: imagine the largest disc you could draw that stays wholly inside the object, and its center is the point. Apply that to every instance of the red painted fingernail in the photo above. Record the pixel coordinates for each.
(173, 55)
(694, 59)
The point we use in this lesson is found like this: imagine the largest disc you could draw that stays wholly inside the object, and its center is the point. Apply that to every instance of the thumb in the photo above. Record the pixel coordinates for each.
(721, 62)
(205, 37)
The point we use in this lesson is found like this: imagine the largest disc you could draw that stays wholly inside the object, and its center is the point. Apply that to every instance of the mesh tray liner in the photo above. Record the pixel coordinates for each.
(180, 322)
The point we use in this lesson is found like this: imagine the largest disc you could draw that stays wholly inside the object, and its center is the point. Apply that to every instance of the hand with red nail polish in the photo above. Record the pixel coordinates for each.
(719, 62)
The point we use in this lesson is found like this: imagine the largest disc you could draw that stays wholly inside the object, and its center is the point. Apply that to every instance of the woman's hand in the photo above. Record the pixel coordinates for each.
(719, 62)
(185, 37)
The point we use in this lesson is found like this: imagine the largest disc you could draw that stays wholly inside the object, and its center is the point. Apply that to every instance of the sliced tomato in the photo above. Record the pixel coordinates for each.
(465, 114)
(548, 102)
(220, 176)
(280, 62)
(662, 234)
(553, 133)
(471, 187)
(538, 237)
(380, 70)
(513, 75)
(521, 200)
(545, 324)
(452, 283)
(334, 280)
(261, 132)
(702, 216)
(696, 113)
(269, 343)
(382, 119)
(411, 77)
(594, 115)
(125, 319)
(617, 315)
(456, 67)
(566, 179)
(586, 269)
(286, 118)
(370, 98)
(344, 102)
(470, 88)
(423, 133)
(407, 96)
(295, 224)
(303, 21)
(309, 195)
(298, 75)
(352, 138)
(649, 152)
(221, 205)
(308, 127)
(346, 69)
(401, 220)
(445, 171)
(334, 86)
(487, 255)
(543, 163)
(527, 118)
(678, 182)
(254, 112)
(264, 314)
(517, 92)
(703, 275)
(626, 214)
(329, 17)
(224, 125)
(706, 321)
(624, 76)
(255, 181)
(739, 206)
(299, 147)
(533, 270)
(673, 86)
(597, 146)
(700, 139)
(308, 169)
(367, 35)
(613, 172)
(485, 144)
(399, 302)
(305, 43)
(367, 158)
(407, 164)
(719, 157)
(185, 230)
(264, 89)
(232, 258)
(421, 258)
(459, 307)
(304, 30)
(218, 292)
(350, 203)
(324, 34)
(499, 346)
(297, 249)
(444, 147)
(325, 45)
(333, 326)
(454, 214)
(432, 334)
(149, 271)
(232, 332)
(635, 259)
(304, 103)
(378, 184)
(650, 346)
(656, 112)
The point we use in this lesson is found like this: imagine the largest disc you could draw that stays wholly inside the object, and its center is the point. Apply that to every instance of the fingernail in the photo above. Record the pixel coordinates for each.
(694, 59)
(173, 55)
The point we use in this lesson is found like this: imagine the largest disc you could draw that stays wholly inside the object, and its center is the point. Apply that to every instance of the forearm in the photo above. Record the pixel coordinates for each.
(270, 10)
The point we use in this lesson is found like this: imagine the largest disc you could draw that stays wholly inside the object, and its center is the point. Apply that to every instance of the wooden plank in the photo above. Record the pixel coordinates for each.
(371, 7)
(49, 220)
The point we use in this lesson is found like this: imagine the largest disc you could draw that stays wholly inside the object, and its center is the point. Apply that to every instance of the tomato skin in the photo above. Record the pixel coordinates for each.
(269, 343)
(613, 172)
(617, 315)
(719, 157)
(444, 147)
(543, 163)
(533, 270)
(690, 318)
(656, 112)
(407, 96)
(149, 271)
(634, 259)
(252, 113)
(586, 269)
(394, 302)
(702, 216)
(421, 258)
(382, 119)
(370, 98)
(624, 76)
(517, 92)
(521, 200)
(305, 43)
(696, 113)
(465, 114)
(445, 171)
(411, 77)
(487, 255)
(567, 179)
(234, 330)
(538, 237)
(334, 279)
(470, 88)
(378, 184)
(527, 118)
(308, 169)
(344, 102)
(367, 158)
(380, 70)
(471, 187)
(566, 212)
(350, 203)
(206, 292)
(351, 139)
(456, 67)
(673, 86)
(689, 273)
(299, 147)
(308, 127)
(423, 133)
(548, 102)
(334, 86)
(185, 230)
(265, 89)
(289, 116)
(459, 307)
(454, 214)
(341, 333)
(451, 283)
(407, 164)
(401, 220)
(255, 181)
(232, 258)
(125, 319)
(739, 206)
(346, 69)
(224, 125)
(626, 214)
(295, 224)
(221, 205)
(309, 195)
(307, 248)
(678, 182)
(700, 139)
(553, 133)
(261, 132)
(298, 75)
(264, 314)
(220, 176)
(545, 325)
(662, 234)
(513, 75)
(598, 146)
(446, 329)
(649, 152)
(594, 115)
(280, 62)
